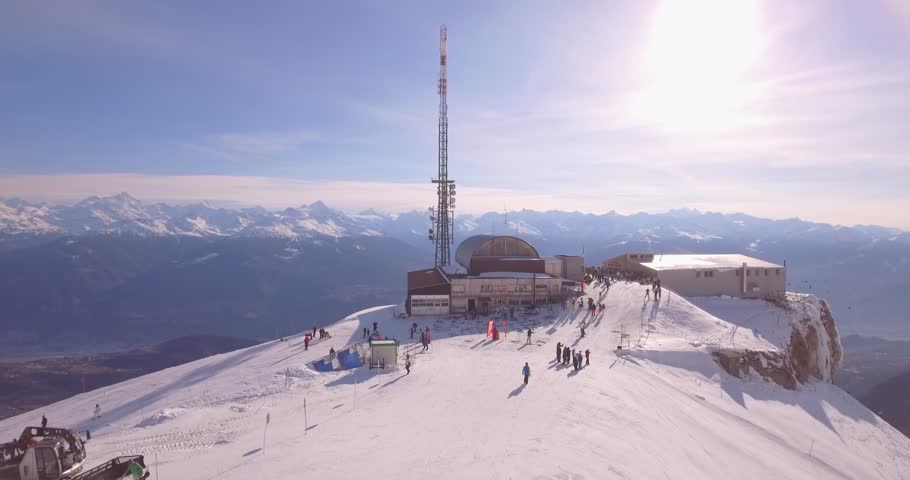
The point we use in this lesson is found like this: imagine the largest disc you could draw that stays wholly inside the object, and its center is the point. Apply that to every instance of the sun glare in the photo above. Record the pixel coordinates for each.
(697, 56)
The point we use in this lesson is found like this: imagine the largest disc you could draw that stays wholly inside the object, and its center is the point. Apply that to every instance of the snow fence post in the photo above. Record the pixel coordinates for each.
(268, 417)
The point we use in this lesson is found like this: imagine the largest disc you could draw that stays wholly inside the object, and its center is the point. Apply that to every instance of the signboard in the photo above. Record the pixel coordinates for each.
(501, 289)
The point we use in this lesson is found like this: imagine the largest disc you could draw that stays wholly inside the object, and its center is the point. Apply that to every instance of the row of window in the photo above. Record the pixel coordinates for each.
(749, 272)
(487, 288)
(420, 302)
(757, 272)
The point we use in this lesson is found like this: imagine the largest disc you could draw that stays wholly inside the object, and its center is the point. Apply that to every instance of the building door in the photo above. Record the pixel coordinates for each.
(472, 304)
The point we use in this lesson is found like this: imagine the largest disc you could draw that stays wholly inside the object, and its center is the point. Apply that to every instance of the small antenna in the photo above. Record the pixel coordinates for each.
(505, 216)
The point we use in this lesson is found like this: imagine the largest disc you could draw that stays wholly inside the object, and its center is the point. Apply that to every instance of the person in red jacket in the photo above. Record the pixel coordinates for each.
(306, 343)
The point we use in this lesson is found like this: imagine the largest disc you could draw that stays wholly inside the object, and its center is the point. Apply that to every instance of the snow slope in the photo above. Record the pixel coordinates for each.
(662, 410)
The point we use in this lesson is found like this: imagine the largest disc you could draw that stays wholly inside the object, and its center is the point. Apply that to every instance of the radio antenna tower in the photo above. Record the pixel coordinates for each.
(443, 216)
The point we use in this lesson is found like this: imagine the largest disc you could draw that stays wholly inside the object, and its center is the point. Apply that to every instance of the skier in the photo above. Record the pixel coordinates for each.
(588, 356)
(647, 294)
(558, 351)
(582, 326)
(43, 421)
(526, 371)
(529, 336)
(97, 411)
(407, 364)
(574, 362)
(306, 343)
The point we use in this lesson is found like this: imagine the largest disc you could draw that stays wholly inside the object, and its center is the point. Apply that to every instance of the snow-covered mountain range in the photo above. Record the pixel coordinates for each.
(123, 214)
(860, 269)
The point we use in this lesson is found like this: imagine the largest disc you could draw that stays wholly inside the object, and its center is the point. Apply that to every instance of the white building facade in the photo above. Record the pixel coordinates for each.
(704, 275)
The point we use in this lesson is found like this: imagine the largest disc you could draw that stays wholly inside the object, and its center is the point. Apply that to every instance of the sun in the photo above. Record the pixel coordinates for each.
(695, 62)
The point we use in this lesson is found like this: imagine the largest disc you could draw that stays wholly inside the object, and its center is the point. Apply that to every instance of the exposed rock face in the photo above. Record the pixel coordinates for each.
(813, 348)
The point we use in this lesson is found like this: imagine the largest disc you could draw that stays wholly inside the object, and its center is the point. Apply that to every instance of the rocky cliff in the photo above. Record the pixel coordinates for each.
(811, 347)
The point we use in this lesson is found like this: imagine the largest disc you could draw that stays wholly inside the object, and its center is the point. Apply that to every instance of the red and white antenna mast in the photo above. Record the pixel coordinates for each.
(444, 215)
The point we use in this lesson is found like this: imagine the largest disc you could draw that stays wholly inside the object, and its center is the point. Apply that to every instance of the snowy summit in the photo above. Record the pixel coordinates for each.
(663, 408)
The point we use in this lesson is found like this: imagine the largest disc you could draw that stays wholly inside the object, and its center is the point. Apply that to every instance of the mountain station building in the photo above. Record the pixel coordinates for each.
(493, 271)
(705, 275)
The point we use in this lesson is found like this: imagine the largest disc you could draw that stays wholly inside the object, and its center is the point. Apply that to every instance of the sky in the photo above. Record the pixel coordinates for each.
(774, 108)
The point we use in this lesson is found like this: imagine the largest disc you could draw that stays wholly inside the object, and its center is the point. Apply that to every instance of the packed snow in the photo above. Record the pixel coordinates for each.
(663, 409)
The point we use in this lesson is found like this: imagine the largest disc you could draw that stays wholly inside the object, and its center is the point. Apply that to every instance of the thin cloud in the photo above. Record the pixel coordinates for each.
(240, 146)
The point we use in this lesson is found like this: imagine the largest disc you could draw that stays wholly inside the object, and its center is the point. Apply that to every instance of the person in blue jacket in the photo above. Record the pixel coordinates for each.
(526, 372)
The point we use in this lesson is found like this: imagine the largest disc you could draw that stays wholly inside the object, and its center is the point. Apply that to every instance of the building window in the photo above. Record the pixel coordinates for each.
(697, 274)
(777, 272)
(766, 272)
(748, 272)
(737, 273)
(709, 273)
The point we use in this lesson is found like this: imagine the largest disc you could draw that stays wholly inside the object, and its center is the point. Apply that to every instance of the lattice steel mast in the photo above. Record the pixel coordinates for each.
(443, 215)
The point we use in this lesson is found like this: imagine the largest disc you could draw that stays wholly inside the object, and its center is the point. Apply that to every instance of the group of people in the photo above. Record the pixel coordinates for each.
(375, 332)
(606, 276)
(425, 339)
(592, 307)
(564, 355)
(655, 286)
(323, 334)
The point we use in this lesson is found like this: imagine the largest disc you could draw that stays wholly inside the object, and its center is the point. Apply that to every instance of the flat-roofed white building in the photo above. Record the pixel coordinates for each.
(696, 275)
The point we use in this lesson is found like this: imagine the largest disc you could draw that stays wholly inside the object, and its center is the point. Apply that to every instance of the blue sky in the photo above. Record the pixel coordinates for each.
(774, 108)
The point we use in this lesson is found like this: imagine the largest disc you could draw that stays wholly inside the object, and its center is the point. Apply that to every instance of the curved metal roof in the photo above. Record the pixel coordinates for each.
(471, 245)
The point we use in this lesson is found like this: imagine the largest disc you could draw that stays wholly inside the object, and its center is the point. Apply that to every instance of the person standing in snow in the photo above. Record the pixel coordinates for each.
(407, 364)
(588, 356)
(314, 331)
(647, 294)
(529, 336)
(375, 328)
(558, 351)
(43, 421)
(429, 338)
(574, 362)
(582, 326)
(565, 355)
(306, 343)
(97, 411)
(526, 371)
